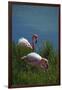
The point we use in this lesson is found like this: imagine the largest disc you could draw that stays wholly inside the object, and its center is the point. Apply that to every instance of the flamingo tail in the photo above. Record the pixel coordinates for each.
(24, 57)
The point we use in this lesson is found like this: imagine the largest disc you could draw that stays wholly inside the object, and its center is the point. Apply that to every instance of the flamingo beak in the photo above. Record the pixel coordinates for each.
(36, 41)
(35, 37)
(46, 66)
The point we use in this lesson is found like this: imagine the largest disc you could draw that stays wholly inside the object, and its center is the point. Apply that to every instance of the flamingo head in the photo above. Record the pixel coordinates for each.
(35, 37)
(44, 63)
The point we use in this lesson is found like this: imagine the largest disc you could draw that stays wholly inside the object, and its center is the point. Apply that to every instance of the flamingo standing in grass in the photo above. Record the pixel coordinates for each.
(33, 58)
(36, 60)
(24, 42)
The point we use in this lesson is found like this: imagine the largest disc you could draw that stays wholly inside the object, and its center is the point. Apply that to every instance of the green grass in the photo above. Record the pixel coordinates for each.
(25, 74)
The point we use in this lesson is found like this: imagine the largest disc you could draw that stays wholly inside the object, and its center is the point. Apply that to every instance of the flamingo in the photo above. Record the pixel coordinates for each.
(36, 60)
(24, 42)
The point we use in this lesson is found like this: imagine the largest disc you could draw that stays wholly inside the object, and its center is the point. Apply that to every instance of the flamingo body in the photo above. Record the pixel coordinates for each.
(34, 56)
(24, 42)
(35, 59)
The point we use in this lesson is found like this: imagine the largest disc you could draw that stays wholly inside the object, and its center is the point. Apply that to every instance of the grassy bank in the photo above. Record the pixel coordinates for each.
(25, 74)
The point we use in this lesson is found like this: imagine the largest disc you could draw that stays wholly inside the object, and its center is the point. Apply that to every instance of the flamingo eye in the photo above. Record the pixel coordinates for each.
(45, 61)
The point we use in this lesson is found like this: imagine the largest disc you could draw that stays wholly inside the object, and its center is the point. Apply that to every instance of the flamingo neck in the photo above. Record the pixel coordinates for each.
(33, 44)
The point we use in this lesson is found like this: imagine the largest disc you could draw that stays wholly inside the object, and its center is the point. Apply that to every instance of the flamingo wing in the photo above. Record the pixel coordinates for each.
(34, 56)
(24, 42)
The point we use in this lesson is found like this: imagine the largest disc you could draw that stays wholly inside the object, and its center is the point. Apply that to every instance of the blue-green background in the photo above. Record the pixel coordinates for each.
(42, 20)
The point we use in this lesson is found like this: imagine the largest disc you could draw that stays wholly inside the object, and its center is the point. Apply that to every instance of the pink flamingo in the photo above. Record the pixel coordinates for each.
(24, 42)
(36, 60)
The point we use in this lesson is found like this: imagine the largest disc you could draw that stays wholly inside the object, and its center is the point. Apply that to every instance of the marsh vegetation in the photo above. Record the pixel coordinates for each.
(25, 74)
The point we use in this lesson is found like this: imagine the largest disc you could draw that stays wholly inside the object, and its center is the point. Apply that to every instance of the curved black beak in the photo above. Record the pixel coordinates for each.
(36, 41)
(46, 66)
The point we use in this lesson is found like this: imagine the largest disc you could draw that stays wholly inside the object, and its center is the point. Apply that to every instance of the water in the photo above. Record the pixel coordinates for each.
(28, 20)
